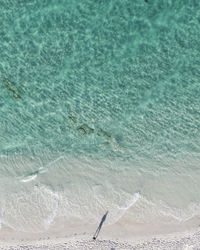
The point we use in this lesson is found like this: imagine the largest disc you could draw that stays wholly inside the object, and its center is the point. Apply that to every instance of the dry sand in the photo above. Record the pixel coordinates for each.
(186, 241)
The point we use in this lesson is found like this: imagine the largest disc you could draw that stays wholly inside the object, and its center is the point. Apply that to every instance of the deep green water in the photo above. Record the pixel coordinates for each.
(114, 83)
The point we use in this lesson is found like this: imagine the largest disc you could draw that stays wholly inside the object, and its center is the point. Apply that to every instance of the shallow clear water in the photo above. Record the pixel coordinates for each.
(99, 110)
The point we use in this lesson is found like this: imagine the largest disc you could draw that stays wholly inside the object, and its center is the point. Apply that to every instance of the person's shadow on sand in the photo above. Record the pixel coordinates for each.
(100, 225)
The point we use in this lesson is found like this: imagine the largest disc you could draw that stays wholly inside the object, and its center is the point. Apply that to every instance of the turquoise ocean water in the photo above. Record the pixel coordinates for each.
(99, 110)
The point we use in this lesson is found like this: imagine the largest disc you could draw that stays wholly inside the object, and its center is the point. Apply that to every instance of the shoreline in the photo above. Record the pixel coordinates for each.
(126, 233)
(122, 235)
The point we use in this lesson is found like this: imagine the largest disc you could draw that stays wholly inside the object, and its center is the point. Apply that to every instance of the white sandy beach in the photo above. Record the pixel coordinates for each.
(173, 241)
(122, 235)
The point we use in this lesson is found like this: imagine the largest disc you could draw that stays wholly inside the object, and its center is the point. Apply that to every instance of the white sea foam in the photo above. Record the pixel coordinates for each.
(86, 189)
(29, 178)
(33, 176)
(91, 188)
(131, 202)
(28, 208)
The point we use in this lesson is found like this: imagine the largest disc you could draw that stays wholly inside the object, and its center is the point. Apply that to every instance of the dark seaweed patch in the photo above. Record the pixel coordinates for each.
(84, 129)
(73, 119)
(103, 133)
(12, 88)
